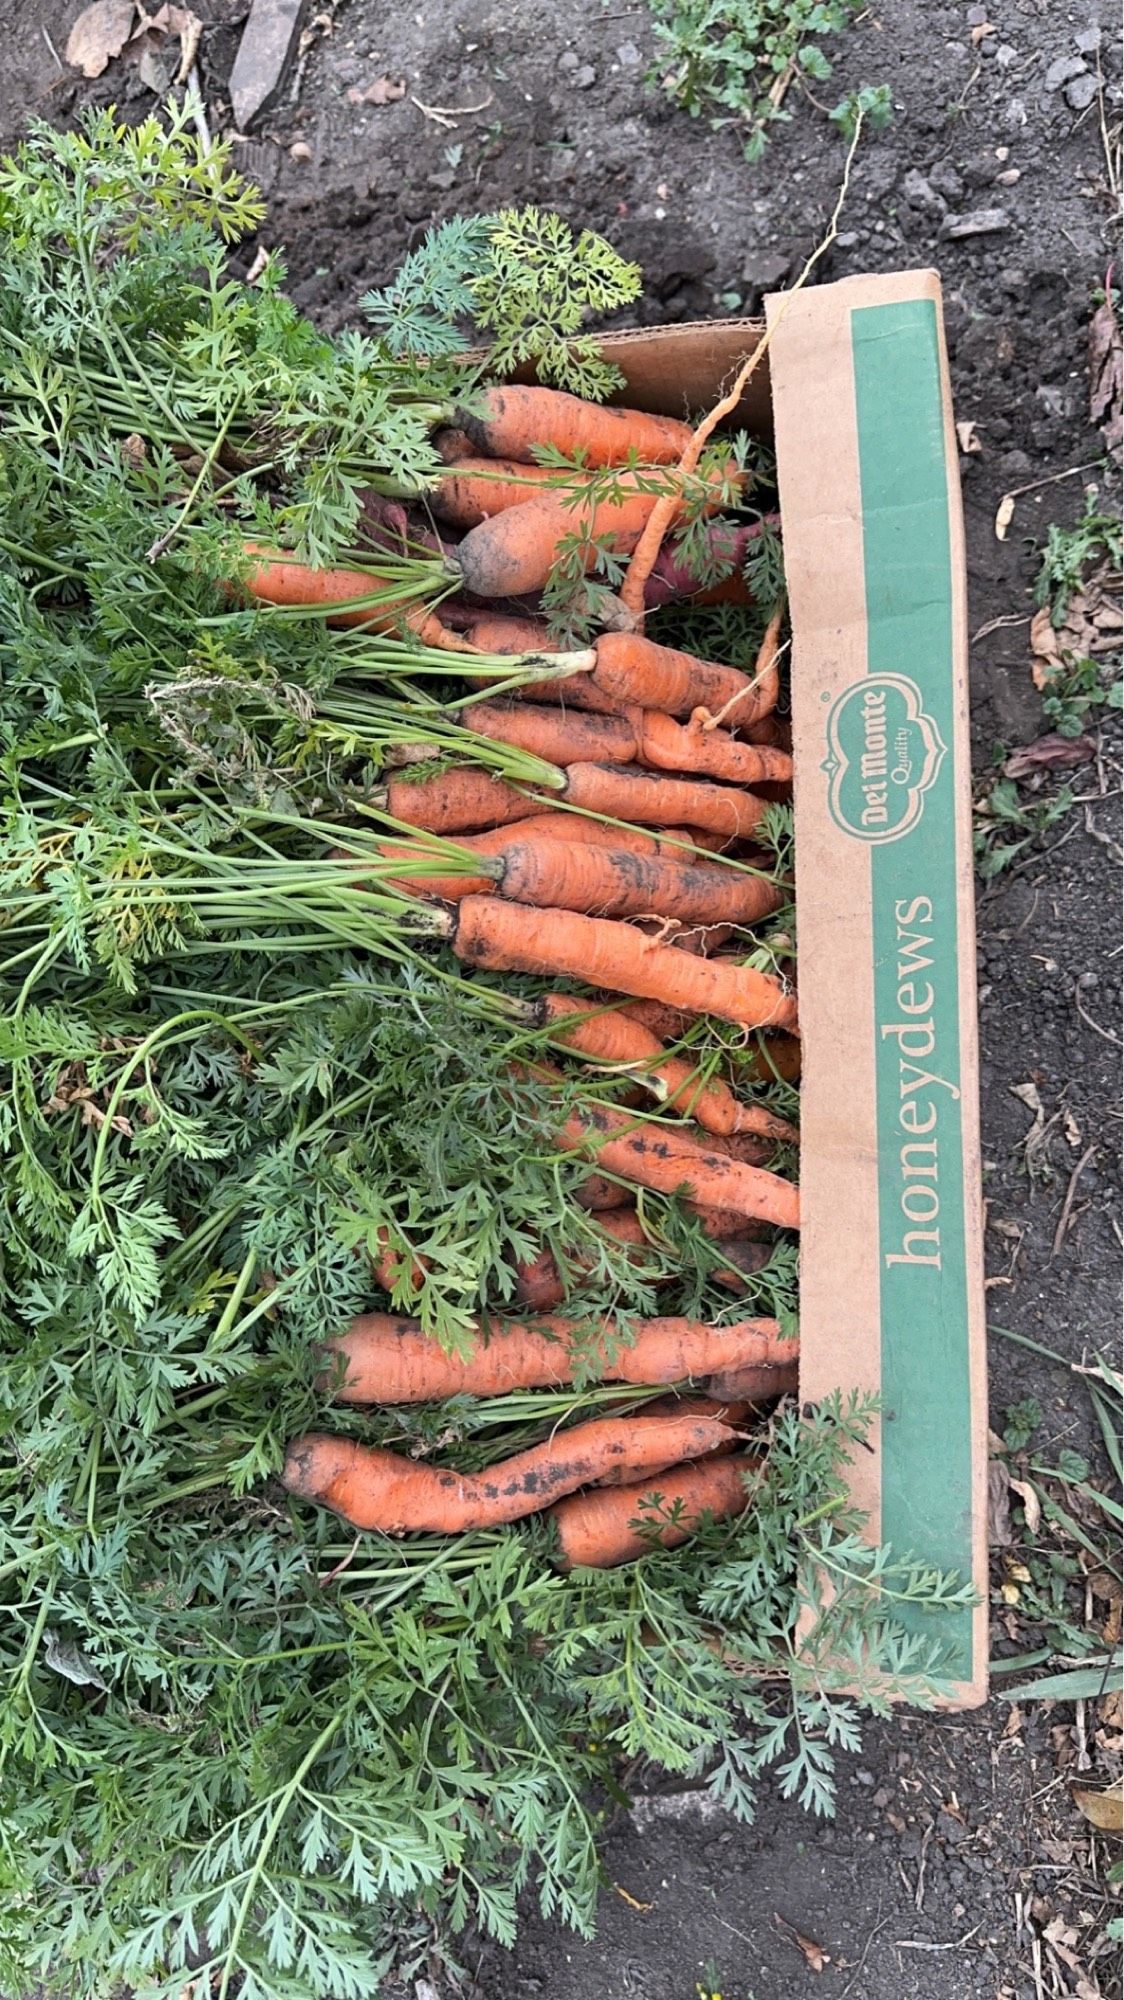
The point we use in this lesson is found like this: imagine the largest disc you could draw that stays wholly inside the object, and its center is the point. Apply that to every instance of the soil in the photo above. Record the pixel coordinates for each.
(956, 1843)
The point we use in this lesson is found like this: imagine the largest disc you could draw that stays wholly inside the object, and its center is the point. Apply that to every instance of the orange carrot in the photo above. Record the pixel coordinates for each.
(453, 801)
(725, 1409)
(611, 1525)
(507, 937)
(509, 422)
(474, 489)
(391, 1360)
(615, 1038)
(636, 671)
(451, 444)
(602, 1197)
(515, 551)
(609, 882)
(666, 745)
(539, 1285)
(643, 799)
(671, 1162)
(277, 579)
(372, 1488)
(497, 632)
(556, 737)
(638, 735)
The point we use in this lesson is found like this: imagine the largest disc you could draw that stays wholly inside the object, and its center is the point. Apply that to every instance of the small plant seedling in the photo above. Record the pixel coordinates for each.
(1068, 554)
(736, 60)
(1008, 824)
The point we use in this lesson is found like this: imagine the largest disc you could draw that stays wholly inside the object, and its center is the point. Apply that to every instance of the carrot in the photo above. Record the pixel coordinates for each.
(615, 1038)
(391, 1360)
(507, 937)
(451, 444)
(766, 675)
(720, 1224)
(497, 632)
(668, 1024)
(611, 883)
(515, 551)
(636, 671)
(509, 422)
(372, 1488)
(390, 1265)
(727, 542)
(775, 1056)
(755, 1385)
(453, 801)
(277, 579)
(671, 1162)
(598, 1530)
(474, 489)
(556, 738)
(727, 1412)
(636, 735)
(752, 1147)
(666, 745)
(643, 799)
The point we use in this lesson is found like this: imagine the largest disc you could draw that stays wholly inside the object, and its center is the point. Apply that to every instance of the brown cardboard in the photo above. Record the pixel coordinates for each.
(805, 392)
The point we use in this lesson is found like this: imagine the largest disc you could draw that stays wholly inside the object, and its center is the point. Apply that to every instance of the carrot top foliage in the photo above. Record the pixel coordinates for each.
(234, 1748)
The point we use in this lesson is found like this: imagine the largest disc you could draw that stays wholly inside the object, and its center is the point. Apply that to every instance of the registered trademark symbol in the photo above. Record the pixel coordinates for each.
(825, 696)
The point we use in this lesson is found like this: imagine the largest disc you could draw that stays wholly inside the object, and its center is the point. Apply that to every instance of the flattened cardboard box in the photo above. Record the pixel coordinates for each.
(891, 1281)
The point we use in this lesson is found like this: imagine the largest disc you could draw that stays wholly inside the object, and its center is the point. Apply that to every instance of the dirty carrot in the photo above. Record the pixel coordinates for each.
(612, 1525)
(507, 937)
(392, 1360)
(666, 745)
(612, 1037)
(499, 632)
(638, 672)
(646, 799)
(557, 738)
(638, 734)
(670, 1162)
(756, 1384)
(510, 422)
(373, 1488)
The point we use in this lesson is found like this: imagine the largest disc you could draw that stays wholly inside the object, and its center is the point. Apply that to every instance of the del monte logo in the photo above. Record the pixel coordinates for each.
(884, 753)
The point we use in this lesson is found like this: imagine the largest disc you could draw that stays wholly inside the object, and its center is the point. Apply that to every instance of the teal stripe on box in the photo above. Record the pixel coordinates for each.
(925, 1334)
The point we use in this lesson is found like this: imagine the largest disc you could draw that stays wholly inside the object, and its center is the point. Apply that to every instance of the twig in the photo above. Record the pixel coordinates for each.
(923, 1862)
(1095, 832)
(1067, 1205)
(970, 85)
(1105, 1034)
(995, 624)
(857, 1973)
(51, 46)
(446, 114)
(922, 1944)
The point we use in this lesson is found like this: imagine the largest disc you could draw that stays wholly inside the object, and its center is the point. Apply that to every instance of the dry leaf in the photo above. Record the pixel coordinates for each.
(981, 31)
(968, 437)
(98, 35)
(814, 1954)
(1032, 1505)
(149, 46)
(1004, 515)
(1104, 1810)
(1105, 372)
(1014, 1721)
(384, 90)
(1049, 753)
(1071, 1128)
(998, 1505)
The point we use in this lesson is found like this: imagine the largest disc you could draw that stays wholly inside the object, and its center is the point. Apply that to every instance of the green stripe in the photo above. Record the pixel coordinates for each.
(927, 1493)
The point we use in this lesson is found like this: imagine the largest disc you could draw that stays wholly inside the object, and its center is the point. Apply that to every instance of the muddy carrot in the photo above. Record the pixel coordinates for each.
(373, 1488)
(277, 579)
(670, 1162)
(611, 1525)
(645, 799)
(515, 551)
(756, 1384)
(666, 745)
(556, 737)
(388, 1359)
(639, 672)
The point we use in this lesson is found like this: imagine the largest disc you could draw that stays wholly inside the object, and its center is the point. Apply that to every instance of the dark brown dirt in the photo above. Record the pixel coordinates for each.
(955, 1842)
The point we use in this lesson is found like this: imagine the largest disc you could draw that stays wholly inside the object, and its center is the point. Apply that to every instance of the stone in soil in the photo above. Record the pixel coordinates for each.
(979, 222)
(264, 54)
(1061, 70)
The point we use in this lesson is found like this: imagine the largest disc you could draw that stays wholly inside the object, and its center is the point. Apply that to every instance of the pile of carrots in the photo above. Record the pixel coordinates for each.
(635, 875)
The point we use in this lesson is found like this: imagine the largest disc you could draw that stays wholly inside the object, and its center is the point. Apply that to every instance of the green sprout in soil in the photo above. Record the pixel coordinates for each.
(735, 61)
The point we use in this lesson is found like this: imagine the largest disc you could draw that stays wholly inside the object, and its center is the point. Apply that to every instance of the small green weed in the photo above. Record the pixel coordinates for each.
(736, 60)
(1068, 554)
(1076, 687)
(1008, 824)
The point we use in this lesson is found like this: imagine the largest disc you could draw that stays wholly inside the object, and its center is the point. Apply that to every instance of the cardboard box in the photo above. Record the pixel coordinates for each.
(855, 392)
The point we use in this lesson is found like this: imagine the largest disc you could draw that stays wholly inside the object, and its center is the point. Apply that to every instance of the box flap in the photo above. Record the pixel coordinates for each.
(891, 1259)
